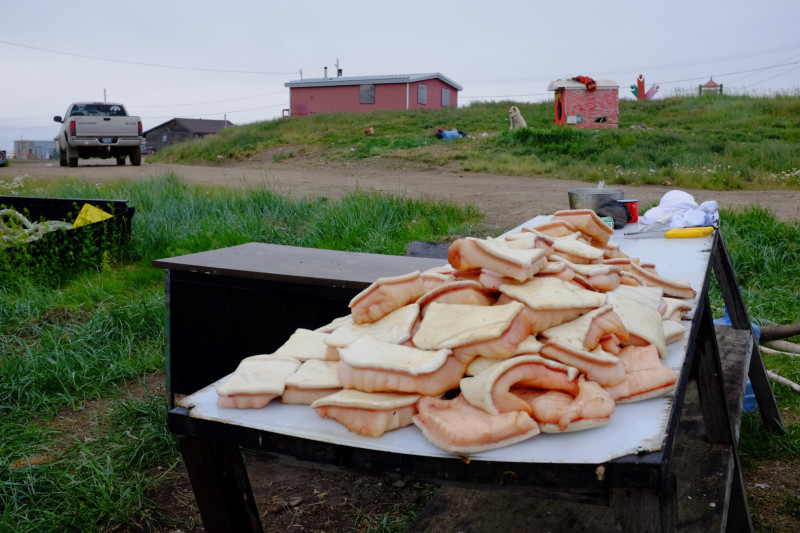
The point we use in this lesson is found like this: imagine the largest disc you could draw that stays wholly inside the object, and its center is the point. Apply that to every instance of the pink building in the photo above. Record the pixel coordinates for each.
(577, 106)
(355, 94)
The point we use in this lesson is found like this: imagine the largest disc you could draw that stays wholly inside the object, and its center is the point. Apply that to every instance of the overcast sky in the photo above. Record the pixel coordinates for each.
(213, 59)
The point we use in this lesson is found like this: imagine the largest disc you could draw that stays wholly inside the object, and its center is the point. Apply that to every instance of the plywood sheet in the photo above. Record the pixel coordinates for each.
(633, 428)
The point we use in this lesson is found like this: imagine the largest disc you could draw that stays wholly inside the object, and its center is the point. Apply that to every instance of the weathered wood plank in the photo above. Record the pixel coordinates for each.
(707, 369)
(734, 303)
(292, 264)
(734, 345)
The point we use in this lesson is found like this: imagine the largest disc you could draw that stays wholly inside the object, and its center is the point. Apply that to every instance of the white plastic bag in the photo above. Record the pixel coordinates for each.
(678, 209)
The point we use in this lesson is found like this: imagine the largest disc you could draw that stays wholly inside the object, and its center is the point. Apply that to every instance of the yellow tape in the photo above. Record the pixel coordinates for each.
(89, 215)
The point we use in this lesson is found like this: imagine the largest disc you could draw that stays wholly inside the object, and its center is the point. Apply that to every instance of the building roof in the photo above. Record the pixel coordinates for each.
(711, 84)
(572, 84)
(195, 125)
(374, 80)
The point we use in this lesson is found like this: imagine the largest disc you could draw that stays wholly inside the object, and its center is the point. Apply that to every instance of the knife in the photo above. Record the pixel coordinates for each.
(663, 230)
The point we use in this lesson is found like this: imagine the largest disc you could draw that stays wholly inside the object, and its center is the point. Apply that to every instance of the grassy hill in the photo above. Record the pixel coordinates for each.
(714, 142)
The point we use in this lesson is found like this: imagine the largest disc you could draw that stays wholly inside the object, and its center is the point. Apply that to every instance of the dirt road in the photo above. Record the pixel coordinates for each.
(506, 201)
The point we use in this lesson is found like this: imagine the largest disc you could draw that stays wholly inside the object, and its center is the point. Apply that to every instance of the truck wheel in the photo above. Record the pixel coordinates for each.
(62, 158)
(121, 161)
(72, 161)
(136, 157)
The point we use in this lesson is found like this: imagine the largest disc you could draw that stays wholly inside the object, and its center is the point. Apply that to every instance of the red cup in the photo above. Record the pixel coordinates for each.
(633, 209)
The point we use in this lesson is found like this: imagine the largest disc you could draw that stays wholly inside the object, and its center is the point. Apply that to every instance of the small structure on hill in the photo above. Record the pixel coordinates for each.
(710, 87)
(355, 94)
(182, 129)
(585, 103)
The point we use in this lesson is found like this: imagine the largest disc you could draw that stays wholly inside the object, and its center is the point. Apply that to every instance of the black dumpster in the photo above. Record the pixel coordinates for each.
(65, 250)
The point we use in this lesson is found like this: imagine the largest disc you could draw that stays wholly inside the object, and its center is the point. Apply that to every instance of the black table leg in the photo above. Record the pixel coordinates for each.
(221, 486)
(708, 371)
(734, 303)
(646, 510)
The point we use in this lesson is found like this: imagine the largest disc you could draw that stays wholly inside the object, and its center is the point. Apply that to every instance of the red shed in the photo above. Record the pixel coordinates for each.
(370, 93)
(578, 106)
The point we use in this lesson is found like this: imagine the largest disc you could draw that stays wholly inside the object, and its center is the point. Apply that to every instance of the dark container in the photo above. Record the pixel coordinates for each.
(61, 251)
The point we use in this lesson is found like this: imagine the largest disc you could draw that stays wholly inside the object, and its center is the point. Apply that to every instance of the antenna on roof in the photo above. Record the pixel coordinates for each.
(301, 74)
(338, 70)
(326, 73)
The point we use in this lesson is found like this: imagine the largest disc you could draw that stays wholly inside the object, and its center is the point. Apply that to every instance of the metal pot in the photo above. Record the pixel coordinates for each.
(593, 198)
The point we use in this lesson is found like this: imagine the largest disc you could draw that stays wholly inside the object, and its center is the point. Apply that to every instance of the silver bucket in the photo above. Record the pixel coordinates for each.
(593, 198)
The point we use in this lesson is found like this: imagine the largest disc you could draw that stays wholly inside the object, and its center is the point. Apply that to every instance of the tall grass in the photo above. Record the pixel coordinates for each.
(714, 141)
(65, 351)
(209, 218)
(766, 253)
(96, 485)
(766, 258)
(79, 338)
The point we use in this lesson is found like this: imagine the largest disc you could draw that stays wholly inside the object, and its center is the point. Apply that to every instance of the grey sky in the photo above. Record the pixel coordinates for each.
(212, 59)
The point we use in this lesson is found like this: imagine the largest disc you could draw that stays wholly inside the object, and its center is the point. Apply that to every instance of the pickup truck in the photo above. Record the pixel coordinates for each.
(98, 129)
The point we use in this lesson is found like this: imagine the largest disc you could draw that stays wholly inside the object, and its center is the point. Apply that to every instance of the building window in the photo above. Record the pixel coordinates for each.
(445, 97)
(366, 94)
(422, 95)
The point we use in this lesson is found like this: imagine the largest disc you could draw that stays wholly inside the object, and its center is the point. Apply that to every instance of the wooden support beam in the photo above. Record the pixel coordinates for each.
(221, 486)
(729, 287)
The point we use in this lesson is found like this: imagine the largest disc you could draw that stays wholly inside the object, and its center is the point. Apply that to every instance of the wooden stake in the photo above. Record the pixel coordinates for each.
(783, 381)
(786, 346)
(782, 331)
(765, 349)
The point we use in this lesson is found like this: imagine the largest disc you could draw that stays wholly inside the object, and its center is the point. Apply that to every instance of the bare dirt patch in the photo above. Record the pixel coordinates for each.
(505, 201)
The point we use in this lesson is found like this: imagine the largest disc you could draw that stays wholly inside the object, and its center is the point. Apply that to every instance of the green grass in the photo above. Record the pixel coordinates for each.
(96, 485)
(711, 142)
(78, 338)
(208, 218)
(766, 257)
(766, 254)
(72, 348)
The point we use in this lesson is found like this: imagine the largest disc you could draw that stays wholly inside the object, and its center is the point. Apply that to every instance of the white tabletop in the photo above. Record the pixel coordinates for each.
(633, 428)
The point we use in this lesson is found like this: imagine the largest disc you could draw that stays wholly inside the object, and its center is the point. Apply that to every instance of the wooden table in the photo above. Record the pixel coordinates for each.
(221, 307)
(224, 305)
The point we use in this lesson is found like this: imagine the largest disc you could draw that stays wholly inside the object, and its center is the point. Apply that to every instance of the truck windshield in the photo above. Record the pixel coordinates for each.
(97, 110)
